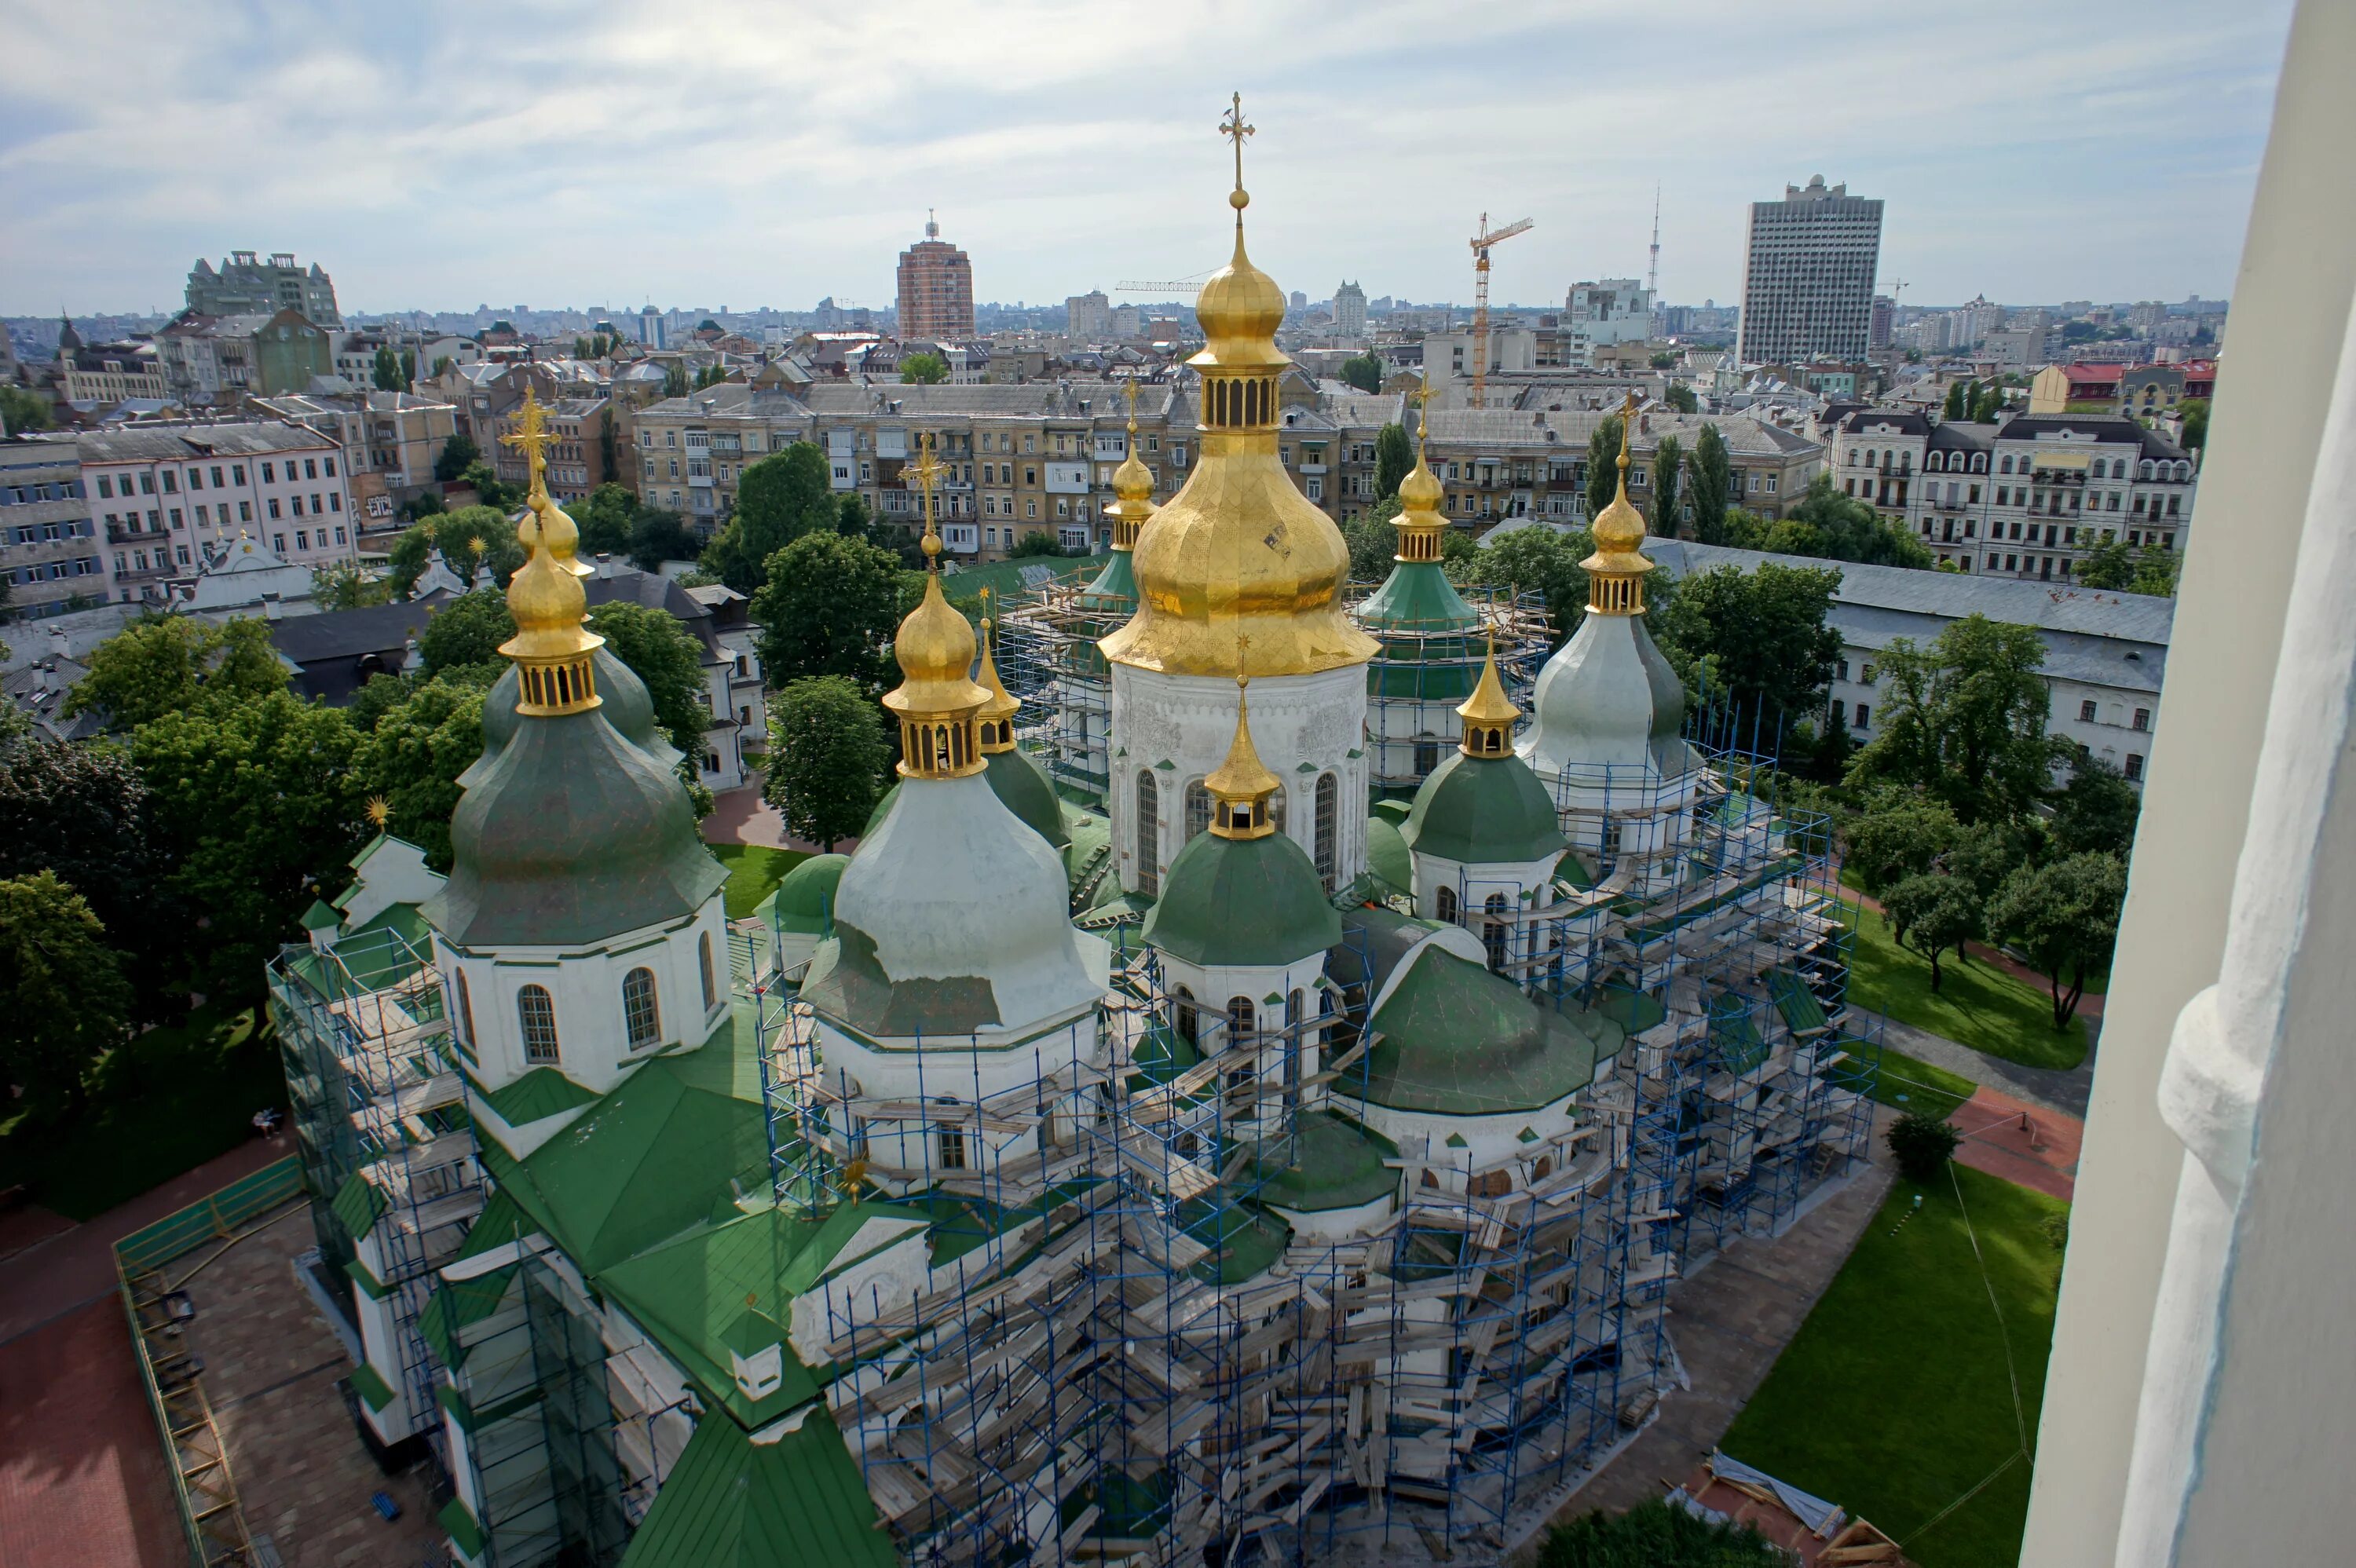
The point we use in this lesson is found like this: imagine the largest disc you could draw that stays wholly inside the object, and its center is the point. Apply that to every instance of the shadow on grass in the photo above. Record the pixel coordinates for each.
(1975, 1006)
(171, 1100)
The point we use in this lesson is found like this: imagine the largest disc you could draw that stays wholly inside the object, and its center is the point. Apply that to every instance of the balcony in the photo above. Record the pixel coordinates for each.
(117, 534)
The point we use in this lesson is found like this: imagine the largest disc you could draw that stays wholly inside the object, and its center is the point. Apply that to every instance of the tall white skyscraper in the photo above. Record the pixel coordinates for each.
(1808, 274)
(1349, 311)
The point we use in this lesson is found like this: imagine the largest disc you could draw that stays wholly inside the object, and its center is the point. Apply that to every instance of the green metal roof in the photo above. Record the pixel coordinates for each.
(459, 1523)
(540, 1092)
(457, 1303)
(1633, 1011)
(357, 1205)
(1389, 860)
(1457, 1041)
(362, 1276)
(1802, 1012)
(319, 916)
(1337, 1164)
(1114, 592)
(1484, 811)
(1242, 900)
(370, 1385)
(730, 1502)
(1417, 596)
(1243, 1240)
(804, 901)
(500, 1222)
(1025, 789)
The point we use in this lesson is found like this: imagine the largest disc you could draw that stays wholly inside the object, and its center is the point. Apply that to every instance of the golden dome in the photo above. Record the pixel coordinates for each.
(1132, 482)
(1240, 308)
(551, 647)
(1619, 564)
(1489, 704)
(935, 649)
(1420, 491)
(997, 715)
(1242, 783)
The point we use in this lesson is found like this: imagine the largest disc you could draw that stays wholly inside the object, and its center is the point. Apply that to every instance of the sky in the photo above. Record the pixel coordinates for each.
(701, 153)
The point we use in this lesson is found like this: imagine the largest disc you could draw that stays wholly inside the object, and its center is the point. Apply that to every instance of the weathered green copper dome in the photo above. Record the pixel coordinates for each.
(804, 902)
(1242, 900)
(623, 702)
(1484, 811)
(1454, 1040)
(1018, 780)
(1114, 592)
(1427, 633)
(571, 833)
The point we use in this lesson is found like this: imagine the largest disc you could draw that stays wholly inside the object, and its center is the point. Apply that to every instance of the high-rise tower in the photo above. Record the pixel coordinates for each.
(1808, 274)
(935, 288)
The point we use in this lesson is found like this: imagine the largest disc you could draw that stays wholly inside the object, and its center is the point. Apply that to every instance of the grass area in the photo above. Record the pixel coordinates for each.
(173, 1099)
(1975, 1004)
(1894, 1399)
(1913, 1085)
(2097, 980)
(753, 870)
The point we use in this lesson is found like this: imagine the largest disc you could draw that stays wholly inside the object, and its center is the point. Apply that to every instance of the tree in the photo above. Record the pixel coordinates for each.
(1364, 371)
(606, 520)
(467, 631)
(424, 504)
(2064, 917)
(1829, 525)
(455, 533)
(778, 499)
(1984, 855)
(63, 1000)
(387, 373)
(924, 369)
(2109, 565)
(1669, 466)
(854, 519)
(1921, 1144)
(1958, 405)
(1939, 912)
(1393, 459)
(162, 664)
(1988, 405)
(1538, 560)
(1373, 541)
(254, 802)
(828, 755)
(1655, 1535)
(660, 536)
(1766, 631)
(2155, 575)
(443, 365)
(414, 755)
(1663, 361)
(1713, 485)
(1887, 847)
(1603, 465)
(22, 411)
(1963, 721)
(828, 607)
(348, 588)
(1681, 397)
(661, 652)
(2194, 412)
(81, 812)
(458, 454)
(490, 490)
(1037, 544)
(408, 369)
(2096, 811)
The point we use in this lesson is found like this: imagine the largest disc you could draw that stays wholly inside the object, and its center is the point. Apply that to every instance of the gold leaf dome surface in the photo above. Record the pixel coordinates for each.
(935, 649)
(1421, 491)
(545, 596)
(1240, 308)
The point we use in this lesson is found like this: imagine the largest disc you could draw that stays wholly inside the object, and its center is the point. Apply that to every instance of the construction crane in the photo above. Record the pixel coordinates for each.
(1481, 243)
(1171, 288)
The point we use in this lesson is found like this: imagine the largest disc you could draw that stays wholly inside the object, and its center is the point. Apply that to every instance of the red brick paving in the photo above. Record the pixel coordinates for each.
(742, 816)
(26, 1226)
(2024, 1144)
(83, 1479)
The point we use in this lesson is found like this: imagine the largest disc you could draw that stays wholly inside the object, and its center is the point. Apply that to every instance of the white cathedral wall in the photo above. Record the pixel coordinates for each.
(1303, 727)
(1491, 1142)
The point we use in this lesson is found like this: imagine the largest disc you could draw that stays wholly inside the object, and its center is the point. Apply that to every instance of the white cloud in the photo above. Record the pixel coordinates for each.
(707, 152)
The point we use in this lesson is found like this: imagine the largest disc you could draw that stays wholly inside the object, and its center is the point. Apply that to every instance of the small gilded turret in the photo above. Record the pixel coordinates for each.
(1615, 572)
(552, 645)
(1489, 714)
(1420, 526)
(1241, 785)
(997, 714)
(937, 702)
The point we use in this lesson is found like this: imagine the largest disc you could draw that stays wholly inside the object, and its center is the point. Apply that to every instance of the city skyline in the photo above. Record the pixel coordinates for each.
(421, 188)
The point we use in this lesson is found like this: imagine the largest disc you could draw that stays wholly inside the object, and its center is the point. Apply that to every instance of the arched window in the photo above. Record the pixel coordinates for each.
(466, 1013)
(1426, 756)
(1276, 809)
(703, 967)
(1447, 903)
(1187, 1022)
(1148, 834)
(640, 1015)
(1329, 805)
(536, 1011)
(1198, 809)
(1241, 1022)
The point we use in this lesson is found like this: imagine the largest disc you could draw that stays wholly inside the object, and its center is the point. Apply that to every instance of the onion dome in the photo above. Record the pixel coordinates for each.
(997, 717)
(937, 703)
(1115, 590)
(1242, 893)
(804, 902)
(1489, 714)
(623, 699)
(1417, 596)
(1483, 806)
(1615, 572)
(1239, 549)
(552, 646)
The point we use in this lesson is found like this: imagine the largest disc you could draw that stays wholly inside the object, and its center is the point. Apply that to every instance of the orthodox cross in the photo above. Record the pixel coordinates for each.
(1234, 128)
(927, 470)
(530, 436)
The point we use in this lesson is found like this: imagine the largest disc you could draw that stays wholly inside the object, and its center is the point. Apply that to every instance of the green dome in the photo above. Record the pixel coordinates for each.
(1416, 597)
(1242, 900)
(1018, 781)
(1419, 607)
(882, 806)
(1453, 1038)
(1484, 811)
(572, 833)
(804, 902)
(623, 700)
(1115, 589)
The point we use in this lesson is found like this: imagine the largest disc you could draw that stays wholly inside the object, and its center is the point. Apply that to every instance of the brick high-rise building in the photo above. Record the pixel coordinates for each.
(1809, 275)
(935, 288)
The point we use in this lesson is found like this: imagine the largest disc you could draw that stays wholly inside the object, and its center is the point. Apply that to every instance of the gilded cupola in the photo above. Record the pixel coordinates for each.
(1241, 785)
(1615, 572)
(997, 721)
(1239, 549)
(1489, 714)
(937, 703)
(553, 646)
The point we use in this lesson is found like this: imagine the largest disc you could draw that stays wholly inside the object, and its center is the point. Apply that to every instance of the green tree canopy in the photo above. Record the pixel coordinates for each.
(1766, 632)
(466, 631)
(1393, 459)
(63, 1000)
(1655, 1535)
(1540, 560)
(1963, 721)
(1681, 397)
(1984, 855)
(2155, 575)
(455, 533)
(661, 652)
(1037, 544)
(348, 588)
(490, 490)
(608, 520)
(1713, 485)
(253, 802)
(924, 369)
(1987, 403)
(2064, 917)
(827, 757)
(1364, 371)
(2096, 811)
(1886, 847)
(81, 812)
(1373, 541)
(1938, 913)
(660, 536)
(1668, 470)
(2194, 412)
(162, 664)
(22, 411)
(1603, 465)
(1830, 525)
(420, 745)
(458, 454)
(829, 607)
(2110, 564)
(1958, 405)
(386, 372)
(778, 499)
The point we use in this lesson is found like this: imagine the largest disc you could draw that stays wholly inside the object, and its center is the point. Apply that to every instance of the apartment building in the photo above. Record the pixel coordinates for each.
(935, 293)
(391, 442)
(1329, 446)
(1350, 311)
(1499, 463)
(2145, 391)
(1808, 270)
(577, 458)
(2030, 497)
(170, 494)
(245, 284)
(211, 361)
(49, 555)
(1600, 315)
(106, 373)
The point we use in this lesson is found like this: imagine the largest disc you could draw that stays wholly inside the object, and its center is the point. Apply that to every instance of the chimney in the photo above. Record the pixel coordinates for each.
(270, 609)
(604, 563)
(411, 660)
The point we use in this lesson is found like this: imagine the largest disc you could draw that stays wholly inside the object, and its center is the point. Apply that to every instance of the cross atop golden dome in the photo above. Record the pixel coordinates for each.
(937, 703)
(1241, 307)
(1132, 482)
(551, 647)
(1615, 580)
(1420, 524)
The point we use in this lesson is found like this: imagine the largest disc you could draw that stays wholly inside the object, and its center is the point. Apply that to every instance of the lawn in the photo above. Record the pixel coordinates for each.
(1894, 1400)
(1975, 1004)
(1912, 1085)
(753, 870)
(170, 1101)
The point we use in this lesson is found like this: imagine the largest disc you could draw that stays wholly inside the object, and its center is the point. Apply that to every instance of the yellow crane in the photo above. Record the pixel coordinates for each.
(1481, 243)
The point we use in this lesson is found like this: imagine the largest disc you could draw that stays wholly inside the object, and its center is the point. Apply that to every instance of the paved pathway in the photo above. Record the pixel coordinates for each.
(742, 816)
(2053, 1088)
(83, 1479)
(2032, 1145)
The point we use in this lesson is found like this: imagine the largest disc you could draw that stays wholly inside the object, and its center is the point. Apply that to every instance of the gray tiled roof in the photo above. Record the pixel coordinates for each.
(180, 443)
(1570, 429)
